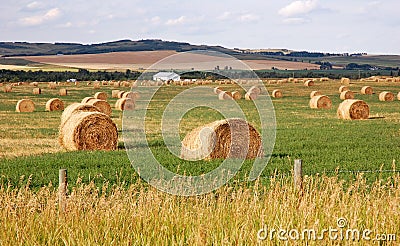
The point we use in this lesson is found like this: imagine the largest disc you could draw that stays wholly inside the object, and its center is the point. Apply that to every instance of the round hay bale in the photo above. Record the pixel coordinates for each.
(353, 109)
(120, 94)
(96, 85)
(347, 95)
(277, 93)
(101, 96)
(25, 105)
(104, 106)
(54, 104)
(87, 99)
(315, 93)
(114, 93)
(250, 96)
(229, 138)
(89, 131)
(76, 108)
(126, 84)
(52, 85)
(134, 95)
(386, 96)
(254, 89)
(37, 91)
(225, 95)
(217, 90)
(345, 81)
(117, 84)
(367, 90)
(63, 92)
(343, 88)
(7, 88)
(236, 95)
(125, 104)
(34, 84)
(320, 102)
(309, 83)
(76, 83)
(398, 96)
(136, 84)
(104, 83)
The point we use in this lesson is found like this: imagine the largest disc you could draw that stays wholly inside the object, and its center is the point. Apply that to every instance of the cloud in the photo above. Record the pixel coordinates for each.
(155, 20)
(248, 18)
(173, 22)
(297, 8)
(40, 19)
(224, 16)
(296, 20)
(34, 6)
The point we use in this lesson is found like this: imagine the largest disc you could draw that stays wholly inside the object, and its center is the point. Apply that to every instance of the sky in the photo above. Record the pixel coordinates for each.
(337, 26)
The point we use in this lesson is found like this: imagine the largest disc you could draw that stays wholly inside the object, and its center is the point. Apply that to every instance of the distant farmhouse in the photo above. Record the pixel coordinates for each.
(165, 76)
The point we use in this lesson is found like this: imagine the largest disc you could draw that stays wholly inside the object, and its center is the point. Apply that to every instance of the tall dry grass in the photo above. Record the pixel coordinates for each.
(141, 215)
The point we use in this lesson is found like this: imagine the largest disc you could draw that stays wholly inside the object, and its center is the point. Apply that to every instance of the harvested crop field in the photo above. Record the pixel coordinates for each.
(144, 59)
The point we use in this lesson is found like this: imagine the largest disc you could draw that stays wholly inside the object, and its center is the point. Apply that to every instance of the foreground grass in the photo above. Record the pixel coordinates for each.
(232, 215)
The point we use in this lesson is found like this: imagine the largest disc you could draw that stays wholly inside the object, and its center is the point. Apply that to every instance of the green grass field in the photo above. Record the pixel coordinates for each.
(108, 204)
(325, 144)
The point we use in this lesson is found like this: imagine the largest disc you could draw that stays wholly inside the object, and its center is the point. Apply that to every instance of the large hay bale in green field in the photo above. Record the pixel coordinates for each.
(54, 104)
(25, 105)
(89, 131)
(347, 95)
(320, 102)
(386, 96)
(229, 138)
(352, 109)
(367, 90)
(104, 106)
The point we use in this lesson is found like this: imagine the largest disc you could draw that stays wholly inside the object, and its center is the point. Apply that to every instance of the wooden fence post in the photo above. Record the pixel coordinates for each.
(62, 188)
(298, 173)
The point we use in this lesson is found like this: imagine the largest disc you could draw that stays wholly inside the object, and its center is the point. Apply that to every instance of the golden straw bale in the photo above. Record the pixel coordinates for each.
(52, 85)
(96, 85)
(251, 95)
(125, 104)
(254, 89)
(228, 138)
(309, 83)
(353, 109)
(217, 90)
(398, 96)
(225, 95)
(277, 93)
(101, 96)
(386, 96)
(320, 102)
(121, 94)
(25, 105)
(236, 95)
(347, 95)
(117, 84)
(345, 81)
(367, 90)
(37, 91)
(315, 93)
(114, 93)
(134, 95)
(63, 92)
(54, 104)
(89, 131)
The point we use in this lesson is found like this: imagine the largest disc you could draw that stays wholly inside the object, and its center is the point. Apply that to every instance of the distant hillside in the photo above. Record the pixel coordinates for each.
(37, 49)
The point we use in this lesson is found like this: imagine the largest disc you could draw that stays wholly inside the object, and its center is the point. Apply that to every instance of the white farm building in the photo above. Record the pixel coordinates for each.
(165, 76)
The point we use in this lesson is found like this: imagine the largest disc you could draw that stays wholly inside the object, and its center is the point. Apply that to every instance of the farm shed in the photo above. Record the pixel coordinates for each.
(165, 76)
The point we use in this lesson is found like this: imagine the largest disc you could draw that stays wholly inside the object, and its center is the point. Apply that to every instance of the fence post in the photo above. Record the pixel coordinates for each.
(62, 188)
(298, 173)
